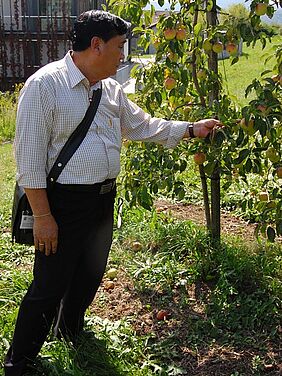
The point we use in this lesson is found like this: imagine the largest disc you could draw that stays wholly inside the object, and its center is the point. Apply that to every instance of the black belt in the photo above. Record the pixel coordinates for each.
(98, 188)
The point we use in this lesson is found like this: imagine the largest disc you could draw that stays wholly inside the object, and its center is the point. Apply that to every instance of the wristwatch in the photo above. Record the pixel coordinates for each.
(191, 130)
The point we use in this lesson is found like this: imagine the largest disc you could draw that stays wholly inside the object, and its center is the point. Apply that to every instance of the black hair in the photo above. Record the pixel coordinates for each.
(96, 23)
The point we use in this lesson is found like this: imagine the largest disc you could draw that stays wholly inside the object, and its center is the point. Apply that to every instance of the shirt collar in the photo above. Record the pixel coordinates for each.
(76, 76)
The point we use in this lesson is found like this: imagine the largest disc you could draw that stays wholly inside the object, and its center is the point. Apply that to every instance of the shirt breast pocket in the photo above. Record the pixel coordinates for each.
(109, 127)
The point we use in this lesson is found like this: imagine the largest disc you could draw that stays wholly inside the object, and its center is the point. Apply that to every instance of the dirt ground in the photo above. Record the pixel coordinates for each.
(122, 301)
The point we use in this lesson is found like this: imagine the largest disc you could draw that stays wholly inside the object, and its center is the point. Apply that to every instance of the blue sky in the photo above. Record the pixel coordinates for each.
(221, 3)
(277, 19)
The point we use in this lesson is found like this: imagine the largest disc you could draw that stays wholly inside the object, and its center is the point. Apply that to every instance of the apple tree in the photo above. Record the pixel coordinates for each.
(183, 83)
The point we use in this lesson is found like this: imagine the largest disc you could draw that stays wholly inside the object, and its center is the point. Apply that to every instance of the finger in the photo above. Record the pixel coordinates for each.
(47, 248)
(54, 245)
(36, 243)
(41, 246)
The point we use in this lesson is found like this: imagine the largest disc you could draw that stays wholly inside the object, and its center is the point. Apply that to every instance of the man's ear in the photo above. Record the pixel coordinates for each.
(96, 44)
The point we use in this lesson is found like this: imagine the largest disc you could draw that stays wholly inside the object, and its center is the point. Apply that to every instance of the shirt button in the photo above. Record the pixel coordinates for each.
(59, 164)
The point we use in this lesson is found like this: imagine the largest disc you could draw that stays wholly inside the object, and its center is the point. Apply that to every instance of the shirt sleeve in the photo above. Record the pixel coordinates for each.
(137, 125)
(33, 130)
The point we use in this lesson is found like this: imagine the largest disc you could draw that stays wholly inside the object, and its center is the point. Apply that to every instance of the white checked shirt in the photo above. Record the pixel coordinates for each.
(52, 104)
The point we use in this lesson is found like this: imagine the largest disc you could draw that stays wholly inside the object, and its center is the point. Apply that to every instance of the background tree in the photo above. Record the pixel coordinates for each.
(183, 83)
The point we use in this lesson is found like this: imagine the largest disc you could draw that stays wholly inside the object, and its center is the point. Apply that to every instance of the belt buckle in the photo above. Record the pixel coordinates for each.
(106, 188)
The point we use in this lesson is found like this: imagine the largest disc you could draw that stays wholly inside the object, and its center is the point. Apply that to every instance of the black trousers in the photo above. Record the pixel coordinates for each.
(69, 278)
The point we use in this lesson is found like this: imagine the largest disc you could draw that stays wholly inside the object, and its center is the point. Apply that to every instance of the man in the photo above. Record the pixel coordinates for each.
(73, 222)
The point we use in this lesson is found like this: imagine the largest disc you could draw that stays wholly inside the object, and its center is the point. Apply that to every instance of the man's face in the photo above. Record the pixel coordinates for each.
(111, 54)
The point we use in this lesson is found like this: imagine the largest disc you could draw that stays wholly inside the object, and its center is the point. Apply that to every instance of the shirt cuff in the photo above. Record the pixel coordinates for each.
(31, 180)
(176, 134)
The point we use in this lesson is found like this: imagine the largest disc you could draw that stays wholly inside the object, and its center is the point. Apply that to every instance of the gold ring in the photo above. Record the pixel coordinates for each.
(41, 244)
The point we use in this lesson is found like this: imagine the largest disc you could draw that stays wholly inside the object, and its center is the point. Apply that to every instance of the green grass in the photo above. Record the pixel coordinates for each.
(240, 298)
(249, 67)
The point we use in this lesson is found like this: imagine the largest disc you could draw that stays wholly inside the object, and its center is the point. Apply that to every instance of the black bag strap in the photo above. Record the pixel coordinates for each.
(75, 139)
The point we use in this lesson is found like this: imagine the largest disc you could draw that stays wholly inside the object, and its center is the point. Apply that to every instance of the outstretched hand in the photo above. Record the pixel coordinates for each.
(204, 127)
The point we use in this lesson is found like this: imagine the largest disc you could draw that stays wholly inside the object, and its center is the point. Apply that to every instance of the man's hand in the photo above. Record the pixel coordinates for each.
(203, 127)
(45, 232)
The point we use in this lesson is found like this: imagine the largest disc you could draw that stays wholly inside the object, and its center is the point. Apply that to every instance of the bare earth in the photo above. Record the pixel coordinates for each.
(122, 301)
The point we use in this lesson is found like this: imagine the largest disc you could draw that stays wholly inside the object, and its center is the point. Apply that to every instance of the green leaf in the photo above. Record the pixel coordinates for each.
(234, 60)
(248, 165)
(198, 29)
(279, 228)
(158, 97)
(270, 234)
(242, 155)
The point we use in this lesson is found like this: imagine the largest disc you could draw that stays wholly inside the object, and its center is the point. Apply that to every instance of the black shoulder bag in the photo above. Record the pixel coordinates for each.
(22, 217)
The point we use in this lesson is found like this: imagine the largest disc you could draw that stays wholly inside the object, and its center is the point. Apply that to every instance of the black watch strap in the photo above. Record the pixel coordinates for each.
(191, 130)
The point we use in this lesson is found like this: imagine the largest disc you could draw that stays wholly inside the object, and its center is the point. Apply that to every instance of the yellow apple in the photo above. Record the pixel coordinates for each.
(169, 34)
(112, 273)
(181, 34)
(207, 45)
(217, 47)
(170, 83)
(201, 74)
(272, 154)
(260, 9)
(172, 56)
(247, 126)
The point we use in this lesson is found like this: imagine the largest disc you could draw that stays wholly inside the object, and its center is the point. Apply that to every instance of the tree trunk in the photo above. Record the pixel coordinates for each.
(206, 197)
(215, 203)
(213, 96)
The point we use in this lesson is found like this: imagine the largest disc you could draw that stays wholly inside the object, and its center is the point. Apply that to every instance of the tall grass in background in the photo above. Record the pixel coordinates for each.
(8, 104)
(250, 66)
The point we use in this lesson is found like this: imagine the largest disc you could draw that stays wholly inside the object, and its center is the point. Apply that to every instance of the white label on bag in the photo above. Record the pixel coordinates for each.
(26, 222)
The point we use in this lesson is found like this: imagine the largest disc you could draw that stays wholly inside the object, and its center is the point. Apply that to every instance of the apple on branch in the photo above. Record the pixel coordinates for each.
(199, 158)
(217, 47)
(207, 45)
(260, 9)
(201, 74)
(231, 48)
(272, 154)
(181, 34)
(169, 34)
(247, 126)
(170, 83)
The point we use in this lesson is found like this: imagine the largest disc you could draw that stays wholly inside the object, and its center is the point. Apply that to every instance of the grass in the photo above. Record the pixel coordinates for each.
(240, 299)
(249, 67)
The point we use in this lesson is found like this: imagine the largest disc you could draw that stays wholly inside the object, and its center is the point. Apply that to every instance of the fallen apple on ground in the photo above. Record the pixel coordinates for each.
(162, 315)
(109, 285)
(263, 196)
(279, 172)
(136, 246)
(112, 273)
